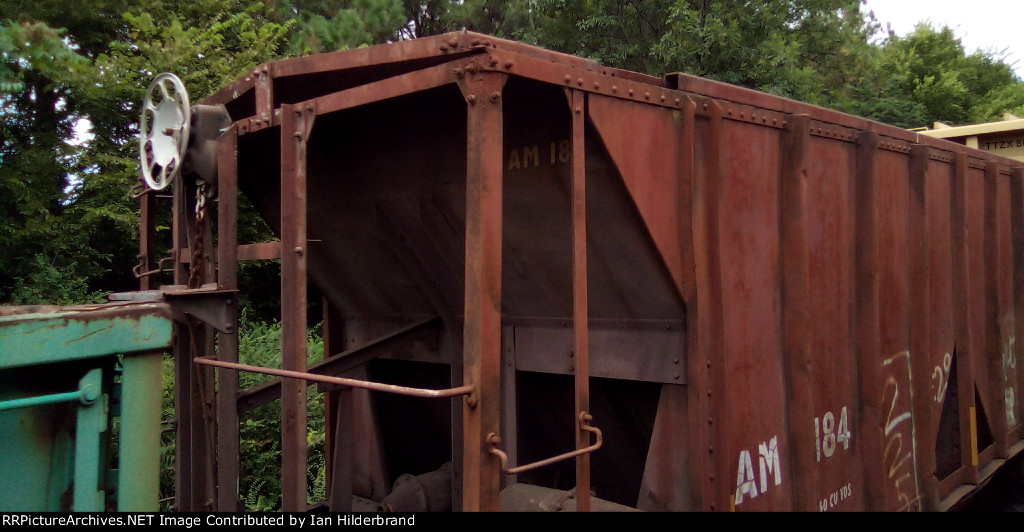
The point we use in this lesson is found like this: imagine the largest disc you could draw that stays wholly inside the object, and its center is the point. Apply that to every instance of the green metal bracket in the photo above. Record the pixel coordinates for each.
(92, 422)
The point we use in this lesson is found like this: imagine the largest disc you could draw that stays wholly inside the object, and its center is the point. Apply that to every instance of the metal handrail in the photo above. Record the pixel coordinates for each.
(584, 424)
(86, 394)
(137, 269)
(355, 383)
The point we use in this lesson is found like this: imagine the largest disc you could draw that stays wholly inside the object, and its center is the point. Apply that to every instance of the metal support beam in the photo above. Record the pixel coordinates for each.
(191, 489)
(578, 101)
(922, 317)
(482, 329)
(296, 124)
(866, 224)
(343, 453)
(796, 314)
(92, 420)
(147, 236)
(706, 344)
(992, 338)
(964, 369)
(227, 342)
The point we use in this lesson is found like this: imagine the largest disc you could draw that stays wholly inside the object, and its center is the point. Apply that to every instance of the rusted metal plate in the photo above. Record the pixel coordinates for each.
(648, 161)
(637, 351)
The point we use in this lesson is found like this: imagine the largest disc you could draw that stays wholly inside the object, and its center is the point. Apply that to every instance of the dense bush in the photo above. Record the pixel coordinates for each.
(259, 429)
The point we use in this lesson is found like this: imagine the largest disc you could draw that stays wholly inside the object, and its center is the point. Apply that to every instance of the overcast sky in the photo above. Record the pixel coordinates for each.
(980, 24)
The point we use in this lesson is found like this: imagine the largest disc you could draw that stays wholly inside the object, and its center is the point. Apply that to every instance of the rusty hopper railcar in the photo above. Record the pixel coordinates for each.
(549, 285)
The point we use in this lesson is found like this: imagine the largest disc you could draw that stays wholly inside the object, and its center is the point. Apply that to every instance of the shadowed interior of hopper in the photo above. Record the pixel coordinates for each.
(386, 230)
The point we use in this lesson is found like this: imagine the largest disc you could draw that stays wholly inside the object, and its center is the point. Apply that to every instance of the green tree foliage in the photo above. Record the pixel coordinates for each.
(618, 34)
(260, 429)
(926, 76)
(65, 198)
(37, 76)
(825, 52)
(795, 48)
(220, 44)
(326, 26)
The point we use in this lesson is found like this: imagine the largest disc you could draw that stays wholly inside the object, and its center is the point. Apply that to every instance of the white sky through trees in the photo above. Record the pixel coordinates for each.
(990, 25)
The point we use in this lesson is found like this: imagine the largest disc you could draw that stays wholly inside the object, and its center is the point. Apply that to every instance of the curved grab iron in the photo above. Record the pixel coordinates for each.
(584, 424)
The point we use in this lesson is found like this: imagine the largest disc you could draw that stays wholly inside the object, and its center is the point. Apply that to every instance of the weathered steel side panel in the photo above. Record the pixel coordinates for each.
(830, 426)
(898, 467)
(751, 358)
(647, 158)
(1006, 361)
(1012, 358)
(976, 311)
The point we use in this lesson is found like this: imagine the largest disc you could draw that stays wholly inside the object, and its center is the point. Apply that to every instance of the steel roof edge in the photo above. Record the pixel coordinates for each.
(446, 44)
(741, 95)
(466, 44)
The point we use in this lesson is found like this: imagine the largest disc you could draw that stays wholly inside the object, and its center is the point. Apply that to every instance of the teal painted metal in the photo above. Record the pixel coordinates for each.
(139, 450)
(57, 445)
(78, 333)
(92, 423)
(44, 400)
(85, 394)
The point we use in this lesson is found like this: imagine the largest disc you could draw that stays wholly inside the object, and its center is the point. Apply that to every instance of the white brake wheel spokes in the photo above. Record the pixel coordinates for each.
(164, 130)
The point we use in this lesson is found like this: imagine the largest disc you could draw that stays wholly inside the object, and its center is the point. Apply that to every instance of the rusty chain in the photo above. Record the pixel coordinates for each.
(195, 275)
(197, 342)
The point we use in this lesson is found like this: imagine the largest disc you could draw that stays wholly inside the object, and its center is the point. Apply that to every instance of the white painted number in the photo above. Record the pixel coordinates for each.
(826, 435)
(941, 374)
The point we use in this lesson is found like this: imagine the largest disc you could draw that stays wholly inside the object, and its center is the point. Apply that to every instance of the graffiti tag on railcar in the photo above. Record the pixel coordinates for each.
(827, 436)
(836, 497)
(900, 441)
(770, 468)
(1009, 369)
(534, 155)
(941, 374)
